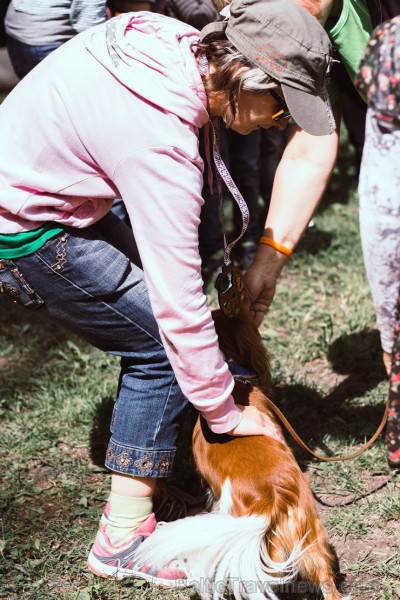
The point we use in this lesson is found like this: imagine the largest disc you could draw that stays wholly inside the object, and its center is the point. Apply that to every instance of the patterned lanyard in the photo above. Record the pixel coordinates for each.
(223, 174)
(229, 283)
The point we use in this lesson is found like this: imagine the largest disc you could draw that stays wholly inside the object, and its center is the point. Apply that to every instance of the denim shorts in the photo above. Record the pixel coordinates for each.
(88, 281)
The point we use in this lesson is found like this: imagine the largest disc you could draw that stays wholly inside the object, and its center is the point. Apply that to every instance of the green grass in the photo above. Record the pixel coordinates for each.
(56, 396)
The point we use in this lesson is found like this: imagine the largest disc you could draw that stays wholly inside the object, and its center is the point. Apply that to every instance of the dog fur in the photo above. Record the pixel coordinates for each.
(263, 530)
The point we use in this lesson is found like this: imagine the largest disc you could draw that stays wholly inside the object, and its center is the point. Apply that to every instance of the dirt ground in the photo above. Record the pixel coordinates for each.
(362, 560)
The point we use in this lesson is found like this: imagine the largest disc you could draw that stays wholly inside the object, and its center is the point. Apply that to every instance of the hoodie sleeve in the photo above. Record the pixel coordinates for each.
(161, 187)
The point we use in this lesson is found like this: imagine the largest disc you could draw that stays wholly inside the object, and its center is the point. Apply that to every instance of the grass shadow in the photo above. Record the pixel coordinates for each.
(100, 431)
(359, 356)
(314, 241)
(358, 353)
(314, 415)
(26, 335)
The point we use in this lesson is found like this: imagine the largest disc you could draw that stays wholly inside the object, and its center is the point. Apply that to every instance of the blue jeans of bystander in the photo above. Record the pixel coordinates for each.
(24, 57)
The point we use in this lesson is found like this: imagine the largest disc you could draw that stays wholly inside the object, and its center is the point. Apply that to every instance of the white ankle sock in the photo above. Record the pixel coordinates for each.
(125, 515)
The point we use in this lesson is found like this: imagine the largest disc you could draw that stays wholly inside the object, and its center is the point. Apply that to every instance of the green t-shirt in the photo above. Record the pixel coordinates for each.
(350, 34)
(16, 245)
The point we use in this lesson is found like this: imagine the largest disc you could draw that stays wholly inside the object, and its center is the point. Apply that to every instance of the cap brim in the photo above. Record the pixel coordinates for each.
(312, 113)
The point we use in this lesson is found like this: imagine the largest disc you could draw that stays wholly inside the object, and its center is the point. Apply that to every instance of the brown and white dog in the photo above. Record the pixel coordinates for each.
(263, 530)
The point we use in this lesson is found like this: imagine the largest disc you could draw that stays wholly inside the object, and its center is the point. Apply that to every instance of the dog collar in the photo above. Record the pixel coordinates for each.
(240, 373)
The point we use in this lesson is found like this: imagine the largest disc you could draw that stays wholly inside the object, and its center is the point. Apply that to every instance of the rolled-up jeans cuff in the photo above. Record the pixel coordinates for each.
(139, 461)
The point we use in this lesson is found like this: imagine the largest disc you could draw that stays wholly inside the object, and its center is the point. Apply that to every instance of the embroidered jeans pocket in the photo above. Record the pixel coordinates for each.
(14, 285)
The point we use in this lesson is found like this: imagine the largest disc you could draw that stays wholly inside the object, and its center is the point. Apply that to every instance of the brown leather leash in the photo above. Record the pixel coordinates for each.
(252, 380)
(298, 439)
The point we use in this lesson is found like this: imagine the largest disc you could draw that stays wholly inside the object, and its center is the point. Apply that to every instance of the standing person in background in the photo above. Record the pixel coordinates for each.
(197, 13)
(3, 10)
(117, 7)
(35, 28)
(379, 193)
(122, 6)
(8, 78)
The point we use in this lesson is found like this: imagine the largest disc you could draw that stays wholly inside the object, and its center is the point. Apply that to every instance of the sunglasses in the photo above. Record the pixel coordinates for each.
(284, 112)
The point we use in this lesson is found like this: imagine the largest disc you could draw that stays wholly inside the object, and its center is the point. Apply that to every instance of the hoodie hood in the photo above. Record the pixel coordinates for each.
(151, 55)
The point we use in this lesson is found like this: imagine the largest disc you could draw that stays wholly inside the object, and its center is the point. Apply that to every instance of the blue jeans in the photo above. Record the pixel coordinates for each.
(24, 57)
(89, 283)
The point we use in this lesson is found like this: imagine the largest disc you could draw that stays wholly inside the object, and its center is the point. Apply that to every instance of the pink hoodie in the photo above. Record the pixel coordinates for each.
(113, 113)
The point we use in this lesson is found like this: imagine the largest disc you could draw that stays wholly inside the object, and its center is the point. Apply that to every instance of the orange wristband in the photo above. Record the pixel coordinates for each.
(280, 247)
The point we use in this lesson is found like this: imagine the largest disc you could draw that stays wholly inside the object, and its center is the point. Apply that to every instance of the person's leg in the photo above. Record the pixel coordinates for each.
(354, 111)
(273, 144)
(379, 209)
(379, 195)
(24, 57)
(244, 152)
(393, 422)
(92, 288)
(119, 209)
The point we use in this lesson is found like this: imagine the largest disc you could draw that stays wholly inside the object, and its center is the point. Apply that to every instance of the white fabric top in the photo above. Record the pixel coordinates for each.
(38, 23)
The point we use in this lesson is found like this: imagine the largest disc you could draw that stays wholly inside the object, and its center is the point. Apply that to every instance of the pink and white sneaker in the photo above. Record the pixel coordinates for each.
(107, 560)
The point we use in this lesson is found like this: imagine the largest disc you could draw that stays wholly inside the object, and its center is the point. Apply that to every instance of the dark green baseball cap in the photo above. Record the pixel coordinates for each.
(285, 41)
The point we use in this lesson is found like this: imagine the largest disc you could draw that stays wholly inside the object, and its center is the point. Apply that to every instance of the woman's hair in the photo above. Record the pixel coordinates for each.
(228, 74)
(312, 6)
(219, 4)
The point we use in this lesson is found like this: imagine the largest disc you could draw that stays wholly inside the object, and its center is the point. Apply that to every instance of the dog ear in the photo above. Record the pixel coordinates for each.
(226, 332)
(253, 353)
(240, 340)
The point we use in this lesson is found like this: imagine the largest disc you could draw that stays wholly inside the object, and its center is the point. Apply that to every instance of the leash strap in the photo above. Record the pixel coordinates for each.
(250, 380)
(298, 439)
(229, 283)
(222, 174)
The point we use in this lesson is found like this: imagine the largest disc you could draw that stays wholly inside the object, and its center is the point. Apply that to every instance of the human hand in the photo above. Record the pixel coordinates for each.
(260, 282)
(259, 293)
(255, 422)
